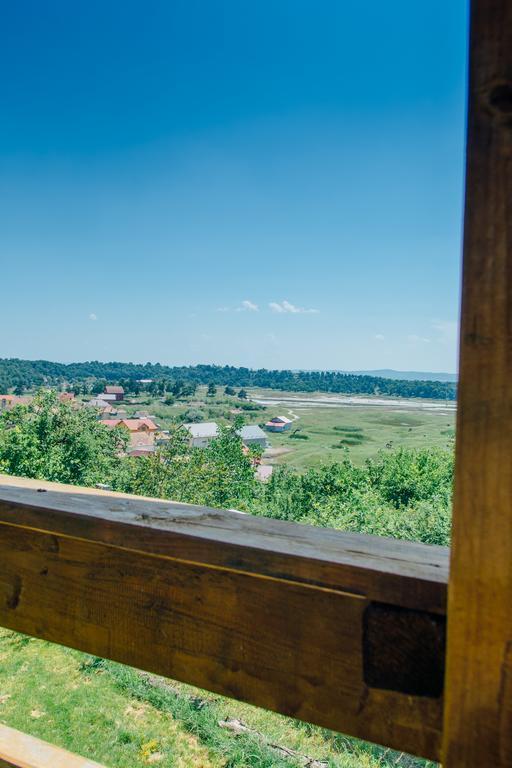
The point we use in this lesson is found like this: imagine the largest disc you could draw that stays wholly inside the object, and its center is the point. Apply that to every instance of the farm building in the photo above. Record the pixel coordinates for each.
(278, 424)
(142, 431)
(202, 434)
(252, 435)
(98, 402)
(118, 392)
(141, 450)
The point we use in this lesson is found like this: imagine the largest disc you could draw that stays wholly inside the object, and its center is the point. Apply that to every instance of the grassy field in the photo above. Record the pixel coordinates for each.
(323, 432)
(361, 432)
(127, 719)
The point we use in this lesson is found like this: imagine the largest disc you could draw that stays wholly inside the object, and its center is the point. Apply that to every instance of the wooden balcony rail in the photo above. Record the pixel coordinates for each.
(341, 630)
(18, 750)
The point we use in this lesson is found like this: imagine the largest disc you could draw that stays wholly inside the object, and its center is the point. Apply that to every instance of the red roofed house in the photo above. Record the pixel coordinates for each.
(278, 424)
(142, 431)
(114, 390)
(9, 401)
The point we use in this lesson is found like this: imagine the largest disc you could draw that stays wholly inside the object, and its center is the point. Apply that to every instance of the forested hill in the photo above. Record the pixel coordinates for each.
(25, 374)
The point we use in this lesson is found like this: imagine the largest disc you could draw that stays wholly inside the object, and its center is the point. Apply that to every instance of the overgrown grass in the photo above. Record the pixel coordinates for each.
(126, 719)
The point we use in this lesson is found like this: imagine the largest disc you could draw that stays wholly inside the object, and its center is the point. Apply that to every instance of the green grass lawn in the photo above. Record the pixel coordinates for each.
(361, 432)
(126, 719)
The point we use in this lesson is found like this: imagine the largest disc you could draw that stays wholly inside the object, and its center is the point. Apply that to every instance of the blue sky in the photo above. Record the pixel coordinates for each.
(274, 183)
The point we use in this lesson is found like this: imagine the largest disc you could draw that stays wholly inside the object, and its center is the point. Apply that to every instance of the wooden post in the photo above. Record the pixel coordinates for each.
(478, 709)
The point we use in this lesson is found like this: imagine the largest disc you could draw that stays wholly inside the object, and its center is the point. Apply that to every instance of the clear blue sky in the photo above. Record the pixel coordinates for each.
(274, 183)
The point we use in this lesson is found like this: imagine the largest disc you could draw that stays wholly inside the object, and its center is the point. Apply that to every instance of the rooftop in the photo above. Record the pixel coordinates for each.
(203, 429)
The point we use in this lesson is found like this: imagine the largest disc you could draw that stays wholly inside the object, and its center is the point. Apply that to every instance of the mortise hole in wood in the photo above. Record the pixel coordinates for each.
(500, 97)
(403, 650)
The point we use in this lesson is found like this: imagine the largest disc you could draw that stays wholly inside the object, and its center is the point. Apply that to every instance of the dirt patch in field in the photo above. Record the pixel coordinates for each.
(274, 453)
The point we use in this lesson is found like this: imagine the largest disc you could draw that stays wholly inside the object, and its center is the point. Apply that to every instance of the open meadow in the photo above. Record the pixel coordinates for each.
(325, 428)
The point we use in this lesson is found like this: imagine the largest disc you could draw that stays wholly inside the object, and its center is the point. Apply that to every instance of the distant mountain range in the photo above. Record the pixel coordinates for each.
(389, 373)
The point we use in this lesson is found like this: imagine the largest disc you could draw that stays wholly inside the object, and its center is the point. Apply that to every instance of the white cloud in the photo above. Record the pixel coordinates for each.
(379, 337)
(287, 307)
(92, 316)
(245, 306)
(249, 306)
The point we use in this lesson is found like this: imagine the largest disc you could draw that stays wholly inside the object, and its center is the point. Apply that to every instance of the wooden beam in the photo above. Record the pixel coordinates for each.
(341, 630)
(478, 715)
(19, 750)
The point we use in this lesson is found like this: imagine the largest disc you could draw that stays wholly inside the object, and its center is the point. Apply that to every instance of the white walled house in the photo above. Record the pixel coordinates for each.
(252, 435)
(278, 424)
(202, 434)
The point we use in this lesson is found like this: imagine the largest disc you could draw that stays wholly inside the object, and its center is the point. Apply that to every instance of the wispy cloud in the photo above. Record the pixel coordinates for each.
(92, 316)
(285, 307)
(245, 306)
(379, 337)
(248, 306)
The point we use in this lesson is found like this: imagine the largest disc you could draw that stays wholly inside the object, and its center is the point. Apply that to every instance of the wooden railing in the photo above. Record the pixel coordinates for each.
(342, 630)
(18, 750)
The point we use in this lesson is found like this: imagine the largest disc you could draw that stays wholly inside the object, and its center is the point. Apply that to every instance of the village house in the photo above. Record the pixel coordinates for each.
(278, 424)
(253, 436)
(9, 401)
(141, 450)
(105, 409)
(141, 431)
(98, 402)
(118, 392)
(202, 434)
(66, 397)
(109, 398)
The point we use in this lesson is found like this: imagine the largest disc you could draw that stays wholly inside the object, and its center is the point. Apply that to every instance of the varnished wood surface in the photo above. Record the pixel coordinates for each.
(478, 721)
(19, 750)
(287, 617)
(404, 573)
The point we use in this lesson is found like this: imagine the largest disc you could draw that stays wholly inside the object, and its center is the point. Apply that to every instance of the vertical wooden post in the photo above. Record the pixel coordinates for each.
(478, 709)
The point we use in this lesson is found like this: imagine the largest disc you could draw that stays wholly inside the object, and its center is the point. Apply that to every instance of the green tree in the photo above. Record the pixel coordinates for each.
(221, 475)
(212, 390)
(51, 440)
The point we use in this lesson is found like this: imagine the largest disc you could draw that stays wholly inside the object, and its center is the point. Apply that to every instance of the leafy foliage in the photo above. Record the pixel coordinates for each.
(55, 441)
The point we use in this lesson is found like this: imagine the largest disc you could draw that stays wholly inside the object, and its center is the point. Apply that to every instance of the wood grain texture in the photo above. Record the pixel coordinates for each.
(478, 712)
(403, 573)
(266, 612)
(19, 750)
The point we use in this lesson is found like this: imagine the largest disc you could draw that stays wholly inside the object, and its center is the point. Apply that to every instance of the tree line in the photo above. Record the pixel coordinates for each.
(20, 375)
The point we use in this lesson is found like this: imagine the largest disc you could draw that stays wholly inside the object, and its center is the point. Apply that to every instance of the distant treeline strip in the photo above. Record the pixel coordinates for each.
(24, 374)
